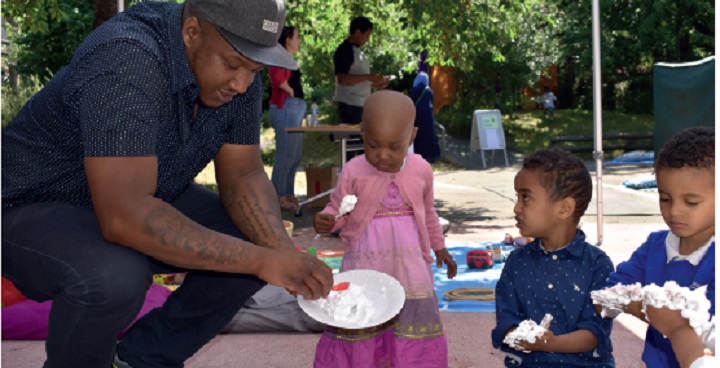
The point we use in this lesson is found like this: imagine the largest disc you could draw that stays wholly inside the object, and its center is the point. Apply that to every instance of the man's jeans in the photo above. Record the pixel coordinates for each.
(56, 251)
(288, 145)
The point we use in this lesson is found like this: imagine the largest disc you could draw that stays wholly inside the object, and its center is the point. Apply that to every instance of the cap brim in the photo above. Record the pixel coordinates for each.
(266, 55)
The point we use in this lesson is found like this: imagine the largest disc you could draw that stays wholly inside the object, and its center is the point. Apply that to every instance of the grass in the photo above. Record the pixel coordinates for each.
(527, 132)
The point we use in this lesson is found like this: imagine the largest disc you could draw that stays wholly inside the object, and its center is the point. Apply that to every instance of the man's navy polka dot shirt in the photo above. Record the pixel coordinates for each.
(128, 91)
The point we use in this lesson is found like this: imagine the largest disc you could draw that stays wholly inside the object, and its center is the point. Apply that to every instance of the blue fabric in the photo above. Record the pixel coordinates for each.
(128, 91)
(465, 278)
(288, 146)
(535, 282)
(634, 157)
(426, 142)
(648, 265)
(56, 251)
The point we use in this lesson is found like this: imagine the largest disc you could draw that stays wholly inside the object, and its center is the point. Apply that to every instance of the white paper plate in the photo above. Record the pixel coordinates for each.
(384, 292)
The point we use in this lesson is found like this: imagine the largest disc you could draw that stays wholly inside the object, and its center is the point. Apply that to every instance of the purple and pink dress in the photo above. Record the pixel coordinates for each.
(414, 338)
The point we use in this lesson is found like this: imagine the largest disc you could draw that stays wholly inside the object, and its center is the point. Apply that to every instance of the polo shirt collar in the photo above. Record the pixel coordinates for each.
(672, 247)
(181, 75)
(574, 248)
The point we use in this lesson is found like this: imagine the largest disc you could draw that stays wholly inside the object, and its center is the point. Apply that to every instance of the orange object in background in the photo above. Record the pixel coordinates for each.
(529, 94)
(10, 294)
(443, 86)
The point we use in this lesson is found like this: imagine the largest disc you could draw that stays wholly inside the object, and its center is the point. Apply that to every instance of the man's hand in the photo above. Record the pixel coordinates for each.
(443, 256)
(297, 272)
(323, 223)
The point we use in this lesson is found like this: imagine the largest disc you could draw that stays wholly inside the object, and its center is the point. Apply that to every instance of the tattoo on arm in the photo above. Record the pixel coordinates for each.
(254, 218)
(178, 233)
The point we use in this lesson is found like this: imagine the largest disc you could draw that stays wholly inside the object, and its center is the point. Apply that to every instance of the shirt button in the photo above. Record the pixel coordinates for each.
(554, 256)
(550, 286)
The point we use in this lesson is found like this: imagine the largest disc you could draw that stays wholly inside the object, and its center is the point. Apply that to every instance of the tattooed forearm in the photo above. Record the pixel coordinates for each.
(199, 247)
(253, 212)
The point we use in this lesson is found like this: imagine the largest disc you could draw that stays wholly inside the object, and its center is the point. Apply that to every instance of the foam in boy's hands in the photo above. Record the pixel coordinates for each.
(528, 331)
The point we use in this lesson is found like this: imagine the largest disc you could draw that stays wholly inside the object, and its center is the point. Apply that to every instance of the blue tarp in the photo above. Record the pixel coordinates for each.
(465, 278)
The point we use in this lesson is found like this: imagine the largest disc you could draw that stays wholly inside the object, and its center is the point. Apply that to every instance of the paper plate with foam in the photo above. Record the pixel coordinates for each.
(372, 298)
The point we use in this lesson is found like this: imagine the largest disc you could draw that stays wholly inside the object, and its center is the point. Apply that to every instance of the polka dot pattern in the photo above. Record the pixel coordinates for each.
(535, 281)
(128, 91)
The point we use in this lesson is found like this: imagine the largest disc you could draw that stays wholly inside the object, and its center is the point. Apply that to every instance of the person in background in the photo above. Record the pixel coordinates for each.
(685, 175)
(548, 100)
(353, 80)
(98, 192)
(392, 229)
(287, 109)
(556, 272)
(426, 142)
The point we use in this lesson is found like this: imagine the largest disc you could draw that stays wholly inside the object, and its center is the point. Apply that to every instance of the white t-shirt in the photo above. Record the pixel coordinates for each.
(548, 100)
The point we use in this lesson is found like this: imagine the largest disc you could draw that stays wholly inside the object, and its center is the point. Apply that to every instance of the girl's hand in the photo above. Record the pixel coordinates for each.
(323, 223)
(540, 344)
(443, 256)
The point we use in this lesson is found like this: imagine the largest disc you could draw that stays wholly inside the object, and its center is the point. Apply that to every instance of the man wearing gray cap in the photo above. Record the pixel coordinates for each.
(98, 189)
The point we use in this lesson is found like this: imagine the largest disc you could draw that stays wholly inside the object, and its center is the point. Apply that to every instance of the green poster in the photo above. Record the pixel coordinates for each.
(490, 122)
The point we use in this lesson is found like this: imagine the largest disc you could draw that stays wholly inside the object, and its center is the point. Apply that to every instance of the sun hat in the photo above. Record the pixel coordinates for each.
(252, 27)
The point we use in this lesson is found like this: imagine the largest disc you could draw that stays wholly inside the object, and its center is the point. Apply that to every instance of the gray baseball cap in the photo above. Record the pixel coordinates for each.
(252, 27)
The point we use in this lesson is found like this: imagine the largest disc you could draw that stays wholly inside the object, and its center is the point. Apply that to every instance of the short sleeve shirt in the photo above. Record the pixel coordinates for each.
(350, 59)
(128, 91)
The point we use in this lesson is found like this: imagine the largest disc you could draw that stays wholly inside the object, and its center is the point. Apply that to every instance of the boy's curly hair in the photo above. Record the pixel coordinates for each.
(563, 175)
(693, 147)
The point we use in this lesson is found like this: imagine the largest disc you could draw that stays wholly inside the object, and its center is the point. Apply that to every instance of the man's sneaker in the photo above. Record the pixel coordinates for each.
(117, 363)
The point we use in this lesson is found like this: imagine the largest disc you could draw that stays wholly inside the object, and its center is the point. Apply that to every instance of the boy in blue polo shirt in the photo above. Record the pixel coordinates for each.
(685, 174)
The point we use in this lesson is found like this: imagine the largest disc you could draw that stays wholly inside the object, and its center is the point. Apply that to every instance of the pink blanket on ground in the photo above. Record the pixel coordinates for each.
(28, 319)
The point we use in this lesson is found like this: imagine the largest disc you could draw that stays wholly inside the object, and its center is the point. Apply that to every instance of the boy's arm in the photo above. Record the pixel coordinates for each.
(592, 331)
(508, 311)
(630, 272)
(590, 320)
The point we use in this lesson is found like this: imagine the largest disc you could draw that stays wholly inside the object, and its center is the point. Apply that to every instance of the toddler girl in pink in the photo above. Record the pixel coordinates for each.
(392, 229)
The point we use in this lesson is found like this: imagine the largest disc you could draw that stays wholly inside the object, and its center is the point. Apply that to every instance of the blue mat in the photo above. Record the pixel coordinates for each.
(465, 278)
(633, 157)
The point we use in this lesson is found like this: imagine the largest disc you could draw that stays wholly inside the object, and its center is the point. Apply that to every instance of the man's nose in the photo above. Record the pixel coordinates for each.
(242, 80)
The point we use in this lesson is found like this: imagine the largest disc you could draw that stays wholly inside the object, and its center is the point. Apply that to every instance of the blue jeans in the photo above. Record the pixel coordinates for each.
(56, 251)
(288, 145)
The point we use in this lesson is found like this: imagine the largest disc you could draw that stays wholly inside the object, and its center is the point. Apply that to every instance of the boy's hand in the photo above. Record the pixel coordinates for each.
(323, 223)
(540, 344)
(666, 320)
(443, 256)
(635, 308)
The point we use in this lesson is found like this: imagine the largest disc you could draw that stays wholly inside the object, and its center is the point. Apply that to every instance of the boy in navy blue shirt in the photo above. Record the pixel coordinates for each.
(685, 174)
(556, 272)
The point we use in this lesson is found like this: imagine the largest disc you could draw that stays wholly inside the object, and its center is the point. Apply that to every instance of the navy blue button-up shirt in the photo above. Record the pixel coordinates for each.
(535, 282)
(128, 91)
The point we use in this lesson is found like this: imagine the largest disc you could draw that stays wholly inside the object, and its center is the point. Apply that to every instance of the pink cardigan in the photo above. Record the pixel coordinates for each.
(415, 180)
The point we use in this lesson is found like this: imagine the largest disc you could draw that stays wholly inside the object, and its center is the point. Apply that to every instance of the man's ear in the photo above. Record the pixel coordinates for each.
(191, 32)
(567, 207)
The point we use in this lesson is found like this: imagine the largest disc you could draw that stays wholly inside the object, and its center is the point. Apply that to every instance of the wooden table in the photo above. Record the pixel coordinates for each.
(346, 134)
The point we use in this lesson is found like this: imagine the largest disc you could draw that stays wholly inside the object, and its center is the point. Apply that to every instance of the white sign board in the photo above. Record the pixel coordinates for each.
(487, 132)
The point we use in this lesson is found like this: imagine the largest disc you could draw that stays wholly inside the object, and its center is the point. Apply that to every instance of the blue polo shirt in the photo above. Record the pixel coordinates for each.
(128, 91)
(535, 282)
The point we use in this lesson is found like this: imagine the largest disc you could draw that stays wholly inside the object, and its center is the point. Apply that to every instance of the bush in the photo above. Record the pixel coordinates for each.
(13, 99)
